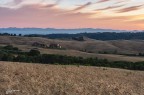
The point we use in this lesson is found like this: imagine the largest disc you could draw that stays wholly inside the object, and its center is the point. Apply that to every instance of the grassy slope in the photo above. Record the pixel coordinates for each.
(38, 79)
(131, 46)
(110, 57)
(72, 47)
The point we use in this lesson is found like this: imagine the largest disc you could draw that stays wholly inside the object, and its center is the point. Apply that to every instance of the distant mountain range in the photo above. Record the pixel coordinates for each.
(25, 31)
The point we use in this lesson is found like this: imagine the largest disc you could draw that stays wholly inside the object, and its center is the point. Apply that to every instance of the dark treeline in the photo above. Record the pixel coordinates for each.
(141, 54)
(10, 53)
(97, 36)
(8, 34)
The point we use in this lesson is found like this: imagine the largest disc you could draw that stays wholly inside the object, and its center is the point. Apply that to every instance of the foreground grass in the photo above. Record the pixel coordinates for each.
(39, 79)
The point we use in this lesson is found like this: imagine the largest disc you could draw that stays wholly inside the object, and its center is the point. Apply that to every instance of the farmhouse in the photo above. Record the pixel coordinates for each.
(55, 46)
(52, 45)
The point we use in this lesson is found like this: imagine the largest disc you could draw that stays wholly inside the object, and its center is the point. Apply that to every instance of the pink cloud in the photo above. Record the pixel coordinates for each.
(37, 16)
(110, 7)
(82, 6)
(128, 9)
(102, 1)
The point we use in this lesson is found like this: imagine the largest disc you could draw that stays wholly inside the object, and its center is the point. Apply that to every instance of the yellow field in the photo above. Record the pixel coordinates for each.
(39, 79)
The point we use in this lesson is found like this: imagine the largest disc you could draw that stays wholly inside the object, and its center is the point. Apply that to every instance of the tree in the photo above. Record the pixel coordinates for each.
(7, 57)
(20, 34)
(34, 52)
(8, 47)
(21, 58)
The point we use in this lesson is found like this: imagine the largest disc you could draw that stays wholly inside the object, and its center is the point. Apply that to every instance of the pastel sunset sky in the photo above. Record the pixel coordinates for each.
(108, 14)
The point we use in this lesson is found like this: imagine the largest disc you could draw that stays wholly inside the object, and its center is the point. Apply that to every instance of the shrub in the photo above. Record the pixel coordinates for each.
(33, 52)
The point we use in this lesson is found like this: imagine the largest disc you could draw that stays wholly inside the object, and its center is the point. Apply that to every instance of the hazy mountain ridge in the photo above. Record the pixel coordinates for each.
(26, 31)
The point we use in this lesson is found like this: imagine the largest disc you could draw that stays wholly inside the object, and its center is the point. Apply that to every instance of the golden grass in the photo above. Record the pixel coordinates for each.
(39, 79)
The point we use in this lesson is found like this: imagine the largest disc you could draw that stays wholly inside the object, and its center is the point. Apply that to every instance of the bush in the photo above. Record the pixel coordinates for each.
(8, 47)
(7, 57)
(34, 56)
(33, 52)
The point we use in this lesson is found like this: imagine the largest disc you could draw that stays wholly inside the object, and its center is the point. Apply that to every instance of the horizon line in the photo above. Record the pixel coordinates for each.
(72, 28)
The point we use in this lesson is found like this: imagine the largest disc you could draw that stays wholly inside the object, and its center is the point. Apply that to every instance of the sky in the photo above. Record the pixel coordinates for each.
(106, 14)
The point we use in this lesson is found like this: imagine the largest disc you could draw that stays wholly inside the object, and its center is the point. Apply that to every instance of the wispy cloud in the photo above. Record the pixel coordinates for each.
(101, 1)
(82, 6)
(110, 7)
(17, 1)
(15, 4)
(51, 5)
(129, 9)
(124, 14)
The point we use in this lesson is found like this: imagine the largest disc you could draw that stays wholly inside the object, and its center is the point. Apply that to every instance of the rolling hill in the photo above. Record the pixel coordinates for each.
(76, 48)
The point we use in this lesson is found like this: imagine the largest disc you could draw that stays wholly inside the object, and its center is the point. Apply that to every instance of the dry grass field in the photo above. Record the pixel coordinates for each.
(123, 46)
(40, 79)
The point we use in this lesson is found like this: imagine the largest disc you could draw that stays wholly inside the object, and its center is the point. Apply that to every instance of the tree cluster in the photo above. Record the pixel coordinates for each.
(97, 36)
(8, 34)
(34, 56)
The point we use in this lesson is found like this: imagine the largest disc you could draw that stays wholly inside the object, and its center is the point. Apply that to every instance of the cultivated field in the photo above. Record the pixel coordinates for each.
(39, 79)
